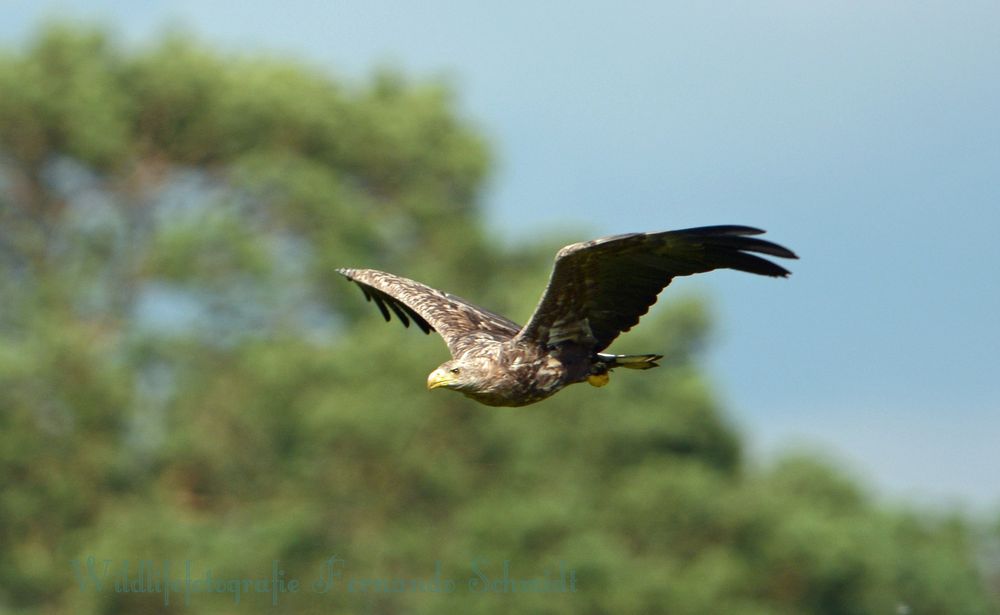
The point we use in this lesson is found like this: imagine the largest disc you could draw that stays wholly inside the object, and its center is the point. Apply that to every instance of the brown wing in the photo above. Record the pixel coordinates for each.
(460, 323)
(600, 288)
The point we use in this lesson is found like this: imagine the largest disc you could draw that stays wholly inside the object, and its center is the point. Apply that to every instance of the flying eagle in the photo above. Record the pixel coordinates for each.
(598, 290)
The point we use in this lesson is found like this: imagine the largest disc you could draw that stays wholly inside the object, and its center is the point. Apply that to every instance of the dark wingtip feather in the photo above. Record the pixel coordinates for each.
(399, 314)
(386, 303)
(381, 306)
(732, 244)
(720, 229)
(752, 244)
(742, 261)
(733, 247)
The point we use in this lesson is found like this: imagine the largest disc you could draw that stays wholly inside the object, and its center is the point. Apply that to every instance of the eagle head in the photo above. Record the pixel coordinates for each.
(466, 375)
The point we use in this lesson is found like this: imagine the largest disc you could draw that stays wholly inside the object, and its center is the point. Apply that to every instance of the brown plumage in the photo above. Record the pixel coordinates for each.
(598, 290)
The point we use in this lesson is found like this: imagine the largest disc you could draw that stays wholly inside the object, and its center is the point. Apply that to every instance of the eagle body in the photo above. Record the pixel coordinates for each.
(518, 373)
(598, 289)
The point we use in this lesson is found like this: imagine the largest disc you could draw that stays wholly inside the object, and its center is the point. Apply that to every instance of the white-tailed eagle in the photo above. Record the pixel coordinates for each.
(598, 290)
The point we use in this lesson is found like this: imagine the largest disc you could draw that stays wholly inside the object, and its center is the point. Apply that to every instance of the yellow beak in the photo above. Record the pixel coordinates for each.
(438, 378)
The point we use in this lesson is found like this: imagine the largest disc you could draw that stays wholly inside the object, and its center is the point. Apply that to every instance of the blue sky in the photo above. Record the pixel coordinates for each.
(864, 135)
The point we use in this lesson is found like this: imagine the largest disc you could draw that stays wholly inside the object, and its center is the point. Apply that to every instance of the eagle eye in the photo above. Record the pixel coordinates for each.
(454, 370)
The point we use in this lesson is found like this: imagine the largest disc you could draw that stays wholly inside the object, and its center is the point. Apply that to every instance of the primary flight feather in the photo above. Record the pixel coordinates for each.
(598, 290)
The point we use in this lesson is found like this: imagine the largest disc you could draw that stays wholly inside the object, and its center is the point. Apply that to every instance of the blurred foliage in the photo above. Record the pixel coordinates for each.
(183, 376)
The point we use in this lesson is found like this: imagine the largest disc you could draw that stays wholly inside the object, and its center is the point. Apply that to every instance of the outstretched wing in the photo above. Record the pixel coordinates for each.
(460, 323)
(600, 288)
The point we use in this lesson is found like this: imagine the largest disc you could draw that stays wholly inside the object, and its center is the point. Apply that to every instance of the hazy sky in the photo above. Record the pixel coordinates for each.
(864, 135)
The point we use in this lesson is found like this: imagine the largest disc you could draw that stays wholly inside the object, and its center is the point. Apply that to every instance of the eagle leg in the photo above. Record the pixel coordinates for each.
(598, 380)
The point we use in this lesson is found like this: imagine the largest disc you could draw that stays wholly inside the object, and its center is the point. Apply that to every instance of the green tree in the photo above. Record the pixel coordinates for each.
(183, 376)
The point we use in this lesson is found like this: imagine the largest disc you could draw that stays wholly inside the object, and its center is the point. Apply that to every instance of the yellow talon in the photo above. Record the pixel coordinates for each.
(598, 380)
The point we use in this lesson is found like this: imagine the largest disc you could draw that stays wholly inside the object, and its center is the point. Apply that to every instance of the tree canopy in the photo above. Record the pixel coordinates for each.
(184, 378)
